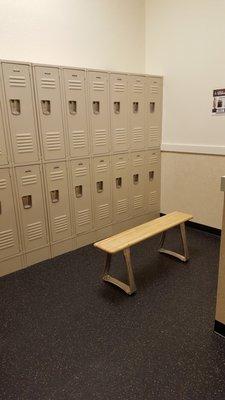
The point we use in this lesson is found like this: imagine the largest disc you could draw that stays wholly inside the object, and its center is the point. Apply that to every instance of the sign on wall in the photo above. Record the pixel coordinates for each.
(218, 106)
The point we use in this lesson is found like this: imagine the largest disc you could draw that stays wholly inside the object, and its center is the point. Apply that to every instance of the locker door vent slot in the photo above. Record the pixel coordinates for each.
(152, 107)
(99, 186)
(135, 107)
(151, 176)
(72, 107)
(116, 107)
(46, 107)
(15, 106)
(118, 183)
(54, 196)
(136, 179)
(27, 201)
(96, 107)
(78, 191)
(0, 208)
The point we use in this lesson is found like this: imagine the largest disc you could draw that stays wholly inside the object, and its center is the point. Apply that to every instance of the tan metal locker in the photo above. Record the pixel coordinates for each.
(154, 110)
(9, 243)
(99, 112)
(58, 201)
(137, 174)
(120, 187)
(152, 175)
(21, 115)
(118, 112)
(136, 112)
(76, 112)
(3, 152)
(102, 192)
(31, 203)
(81, 195)
(49, 109)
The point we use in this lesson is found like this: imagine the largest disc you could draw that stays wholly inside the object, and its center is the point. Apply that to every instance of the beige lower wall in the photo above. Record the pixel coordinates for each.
(191, 183)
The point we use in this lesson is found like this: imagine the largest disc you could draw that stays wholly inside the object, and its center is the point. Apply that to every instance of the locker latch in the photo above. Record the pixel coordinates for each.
(135, 106)
(99, 186)
(54, 196)
(151, 175)
(27, 201)
(46, 107)
(72, 107)
(136, 178)
(118, 183)
(96, 107)
(78, 191)
(116, 107)
(15, 106)
(152, 107)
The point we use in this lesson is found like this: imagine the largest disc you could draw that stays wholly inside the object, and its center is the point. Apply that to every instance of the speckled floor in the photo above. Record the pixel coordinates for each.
(66, 335)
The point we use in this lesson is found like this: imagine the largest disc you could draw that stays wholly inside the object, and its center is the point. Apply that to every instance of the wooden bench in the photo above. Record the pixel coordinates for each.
(124, 240)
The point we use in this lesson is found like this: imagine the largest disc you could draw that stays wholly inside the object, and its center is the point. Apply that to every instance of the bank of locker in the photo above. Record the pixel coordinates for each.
(76, 112)
(58, 201)
(81, 195)
(17, 80)
(9, 241)
(102, 192)
(152, 176)
(49, 108)
(120, 187)
(153, 110)
(136, 112)
(137, 183)
(3, 151)
(33, 218)
(118, 112)
(98, 95)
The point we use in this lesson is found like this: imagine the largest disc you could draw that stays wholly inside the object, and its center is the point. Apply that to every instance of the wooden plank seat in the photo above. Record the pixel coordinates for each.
(124, 240)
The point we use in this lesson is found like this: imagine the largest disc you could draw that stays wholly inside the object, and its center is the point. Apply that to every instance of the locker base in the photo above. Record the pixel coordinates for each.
(37, 256)
(62, 247)
(11, 265)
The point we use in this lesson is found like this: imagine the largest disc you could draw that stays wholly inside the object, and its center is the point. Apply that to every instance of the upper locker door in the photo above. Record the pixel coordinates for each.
(152, 175)
(81, 192)
(21, 115)
(49, 108)
(9, 244)
(137, 112)
(31, 202)
(102, 192)
(99, 112)
(118, 112)
(3, 152)
(121, 186)
(76, 112)
(154, 110)
(138, 203)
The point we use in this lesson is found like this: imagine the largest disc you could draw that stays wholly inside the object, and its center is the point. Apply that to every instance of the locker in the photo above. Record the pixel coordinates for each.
(31, 204)
(102, 192)
(137, 112)
(9, 242)
(137, 175)
(154, 111)
(58, 201)
(49, 107)
(76, 112)
(99, 112)
(81, 195)
(20, 109)
(120, 187)
(3, 152)
(118, 112)
(152, 176)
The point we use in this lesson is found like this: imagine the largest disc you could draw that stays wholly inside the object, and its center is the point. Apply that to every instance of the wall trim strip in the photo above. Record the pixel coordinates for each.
(193, 148)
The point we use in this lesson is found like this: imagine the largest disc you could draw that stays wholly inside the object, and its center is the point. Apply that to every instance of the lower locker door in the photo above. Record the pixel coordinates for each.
(120, 187)
(102, 192)
(9, 243)
(138, 189)
(153, 180)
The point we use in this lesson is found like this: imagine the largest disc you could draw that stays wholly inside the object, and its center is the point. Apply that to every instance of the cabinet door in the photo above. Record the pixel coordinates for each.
(138, 189)
(152, 175)
(118, 112)
(102, 192)
(153, 111)
(137, 112)
(120, 187)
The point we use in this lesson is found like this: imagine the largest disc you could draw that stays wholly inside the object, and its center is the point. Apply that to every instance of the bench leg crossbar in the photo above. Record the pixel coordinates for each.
(181, 257)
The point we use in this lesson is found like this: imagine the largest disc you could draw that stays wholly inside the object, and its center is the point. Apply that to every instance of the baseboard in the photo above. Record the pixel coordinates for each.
(219, 328)
(201, 227)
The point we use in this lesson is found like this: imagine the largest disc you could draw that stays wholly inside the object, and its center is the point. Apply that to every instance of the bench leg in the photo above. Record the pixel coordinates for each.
(130, 288)
(181, 257)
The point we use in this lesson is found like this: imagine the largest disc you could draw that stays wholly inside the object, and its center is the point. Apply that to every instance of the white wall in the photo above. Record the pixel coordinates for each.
(102, 34)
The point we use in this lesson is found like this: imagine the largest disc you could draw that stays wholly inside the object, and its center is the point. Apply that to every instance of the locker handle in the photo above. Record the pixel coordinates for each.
(78, 191)
(151, 176)
(118, 182)
(152, 107)
(135, 179)
(46, 107)
(27, 201)
(116, 107)
(99, 186)
(72, 107)
(135, 107)
(96, 107)
(54, 196)
(15, 106)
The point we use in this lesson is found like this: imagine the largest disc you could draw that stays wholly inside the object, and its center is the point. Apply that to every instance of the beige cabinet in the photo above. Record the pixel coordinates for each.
(102, 192)
(137, 183)
(153, 110)
(120, 187)
(3, 152)
(152, 176)
(118, 112)
(136, 112)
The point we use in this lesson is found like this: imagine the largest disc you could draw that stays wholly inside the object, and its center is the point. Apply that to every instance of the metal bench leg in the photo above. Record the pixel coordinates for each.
(130, 288)
(181, 257)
